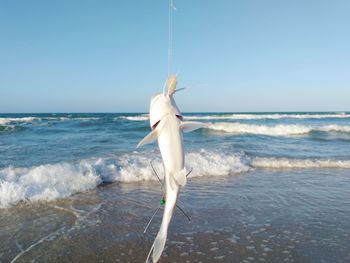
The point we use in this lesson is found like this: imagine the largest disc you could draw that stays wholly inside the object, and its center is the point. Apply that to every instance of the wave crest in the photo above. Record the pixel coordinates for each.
(277, 163)
(143, 117)
(272, 116)
(52, 181)
(45, 182)
(250, 116)
(275, 130)
(5, 121)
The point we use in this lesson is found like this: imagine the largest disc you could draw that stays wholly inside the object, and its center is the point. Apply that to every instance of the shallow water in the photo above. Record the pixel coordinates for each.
(267, 216)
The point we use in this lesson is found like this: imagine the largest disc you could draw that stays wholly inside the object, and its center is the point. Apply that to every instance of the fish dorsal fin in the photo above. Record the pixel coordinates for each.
(188, 126)
(153, 135)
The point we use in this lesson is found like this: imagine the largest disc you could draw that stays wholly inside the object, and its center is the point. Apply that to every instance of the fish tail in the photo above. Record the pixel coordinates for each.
(159, 244)
(149, 254)
(170, 204)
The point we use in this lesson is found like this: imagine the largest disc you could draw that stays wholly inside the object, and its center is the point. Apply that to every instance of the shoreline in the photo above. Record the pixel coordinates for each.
(263, 216)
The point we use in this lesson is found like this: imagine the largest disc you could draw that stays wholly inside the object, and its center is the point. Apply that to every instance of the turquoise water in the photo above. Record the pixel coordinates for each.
(50, 156)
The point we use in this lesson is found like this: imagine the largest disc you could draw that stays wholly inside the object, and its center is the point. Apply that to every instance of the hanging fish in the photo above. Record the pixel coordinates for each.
(167, 126)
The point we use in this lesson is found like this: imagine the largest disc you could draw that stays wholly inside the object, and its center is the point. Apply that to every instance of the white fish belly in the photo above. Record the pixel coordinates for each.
(171, 144)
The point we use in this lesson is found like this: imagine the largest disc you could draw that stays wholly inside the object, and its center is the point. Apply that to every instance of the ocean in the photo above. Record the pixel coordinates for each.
(265, 187)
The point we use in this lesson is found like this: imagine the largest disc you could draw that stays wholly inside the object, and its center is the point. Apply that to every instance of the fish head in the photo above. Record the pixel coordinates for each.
(163, 103)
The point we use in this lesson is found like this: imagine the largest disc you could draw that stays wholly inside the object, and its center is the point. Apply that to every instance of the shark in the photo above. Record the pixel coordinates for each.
(168, 125)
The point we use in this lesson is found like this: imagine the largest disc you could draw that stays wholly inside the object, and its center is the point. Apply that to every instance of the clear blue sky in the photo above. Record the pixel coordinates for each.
(233, 55)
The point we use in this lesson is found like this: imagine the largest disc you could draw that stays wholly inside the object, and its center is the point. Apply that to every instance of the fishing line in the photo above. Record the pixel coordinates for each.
(170, 36)
(149, 222)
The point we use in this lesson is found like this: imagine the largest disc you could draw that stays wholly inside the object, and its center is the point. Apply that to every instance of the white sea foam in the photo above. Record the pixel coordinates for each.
(248, 116)
(275, 130)
(45, 182)
(334, 127)
(4, 121)
(214, 163)
(69, 118)
(136, 167)
(7, 121)
(273, 116)
(52, 181)
(143, 117)
(276, 163)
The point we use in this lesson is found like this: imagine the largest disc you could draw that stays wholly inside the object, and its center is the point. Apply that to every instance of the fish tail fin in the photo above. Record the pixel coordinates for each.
(158, 246)
(149, 254)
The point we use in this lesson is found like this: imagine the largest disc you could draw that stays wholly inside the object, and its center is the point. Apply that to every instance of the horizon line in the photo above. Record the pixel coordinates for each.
(185, 112)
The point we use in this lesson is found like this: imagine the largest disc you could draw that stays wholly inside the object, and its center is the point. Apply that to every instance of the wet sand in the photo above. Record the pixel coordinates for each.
(263, 216)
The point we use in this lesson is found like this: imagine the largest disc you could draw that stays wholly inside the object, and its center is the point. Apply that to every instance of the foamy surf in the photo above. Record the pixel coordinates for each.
(14, 120)
(51, 181)
(19, 119)
(5, 121)
(281, 163)
(45, 182)
(272, 116)
(247, 116)
(143, 117)
(275, 130)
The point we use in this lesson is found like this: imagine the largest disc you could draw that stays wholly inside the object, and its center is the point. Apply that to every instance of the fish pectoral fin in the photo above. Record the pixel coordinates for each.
(148, 138)
(188, 126)
(181, 178)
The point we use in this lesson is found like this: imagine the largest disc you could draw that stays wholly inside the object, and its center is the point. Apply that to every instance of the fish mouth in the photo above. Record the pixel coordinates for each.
(155, 125)
(180, 117)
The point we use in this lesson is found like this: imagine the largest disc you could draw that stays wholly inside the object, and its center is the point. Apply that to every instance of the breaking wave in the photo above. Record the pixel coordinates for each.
(45, 182)
(52, 181)
(277, 163)
(275, 130)
(17, 123)
(5, 121)
(247, 116)
(143, 117)
(273, 116)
